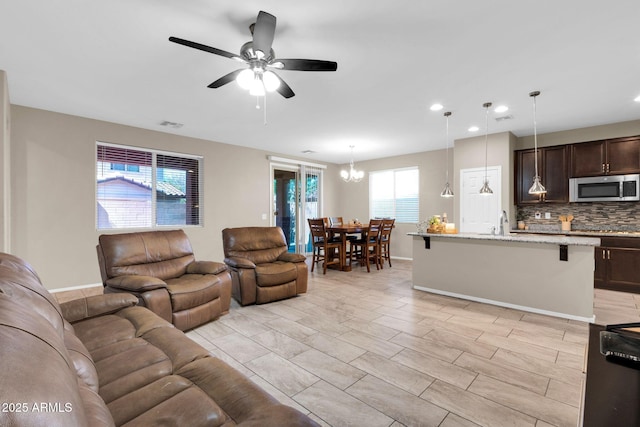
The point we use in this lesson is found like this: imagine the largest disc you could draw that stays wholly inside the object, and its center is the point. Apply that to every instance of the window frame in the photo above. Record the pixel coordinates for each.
(372, 214)
(154, 153)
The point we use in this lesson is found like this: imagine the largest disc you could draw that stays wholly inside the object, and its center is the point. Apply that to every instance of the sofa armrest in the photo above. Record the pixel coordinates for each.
(289, 257)
(135, 283)
(237, 262)
(206, 267)
(97, 305)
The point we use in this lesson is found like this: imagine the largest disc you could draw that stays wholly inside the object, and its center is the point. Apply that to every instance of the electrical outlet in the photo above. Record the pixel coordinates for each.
(537, 215)
(547, 215)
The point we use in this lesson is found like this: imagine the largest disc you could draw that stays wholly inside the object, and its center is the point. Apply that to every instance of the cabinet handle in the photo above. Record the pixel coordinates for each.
(608, 254)
(603, 168)
(608, 165)
(603, 251)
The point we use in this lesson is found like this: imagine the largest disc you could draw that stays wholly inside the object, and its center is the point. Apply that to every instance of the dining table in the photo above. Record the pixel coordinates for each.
(343, 231)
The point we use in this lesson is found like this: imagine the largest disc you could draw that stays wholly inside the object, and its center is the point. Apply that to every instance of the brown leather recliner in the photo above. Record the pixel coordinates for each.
(160, 269)
(261, 268)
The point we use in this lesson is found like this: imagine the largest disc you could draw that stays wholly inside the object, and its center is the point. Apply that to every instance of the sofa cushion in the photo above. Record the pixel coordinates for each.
(164, 255)
(192, 290)
(82, 361)
(275, 273)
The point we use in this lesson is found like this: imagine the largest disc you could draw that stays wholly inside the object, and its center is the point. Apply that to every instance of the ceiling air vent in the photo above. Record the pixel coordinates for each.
(171, 124)
(502, 118)
(308, 152)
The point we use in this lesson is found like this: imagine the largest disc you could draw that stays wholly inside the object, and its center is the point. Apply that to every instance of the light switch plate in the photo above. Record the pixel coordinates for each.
(547, 215)
(537, 215)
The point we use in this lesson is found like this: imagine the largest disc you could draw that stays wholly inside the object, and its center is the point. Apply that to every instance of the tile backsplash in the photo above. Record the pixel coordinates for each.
(615, 216)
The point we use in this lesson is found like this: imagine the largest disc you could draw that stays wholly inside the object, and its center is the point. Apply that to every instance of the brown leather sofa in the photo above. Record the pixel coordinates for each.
(159, 268)
(104, 361)
(261, 268)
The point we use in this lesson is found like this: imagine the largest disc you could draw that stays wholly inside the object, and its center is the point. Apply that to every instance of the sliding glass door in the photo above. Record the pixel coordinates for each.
(296, 196)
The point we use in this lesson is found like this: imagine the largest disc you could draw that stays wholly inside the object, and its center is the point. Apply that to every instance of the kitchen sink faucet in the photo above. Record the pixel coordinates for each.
(504, 218)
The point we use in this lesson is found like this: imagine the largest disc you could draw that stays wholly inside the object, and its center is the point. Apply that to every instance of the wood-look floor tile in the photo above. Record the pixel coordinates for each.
(530, 403)
(293, 329)
(337, 408)
(564, 392)
(334, 347)
(285, 311)
(395, 373)
(281, 344)
(400, 405)
(461, 343)
(475, 408)
(488, 327)
(240, 347)
(374, 345)
(243, 324)
(280, 396)
(518, 346)
(535, 365)
(412, 328)
(453, 420)
(282, 374)
(427, 346)
(376, 328)
(324, 325)
(544, 341)
(509, 374)
(436, 368)
(330, 369)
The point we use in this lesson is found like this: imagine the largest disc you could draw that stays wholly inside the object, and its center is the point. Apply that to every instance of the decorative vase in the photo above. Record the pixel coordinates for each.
(521, 225)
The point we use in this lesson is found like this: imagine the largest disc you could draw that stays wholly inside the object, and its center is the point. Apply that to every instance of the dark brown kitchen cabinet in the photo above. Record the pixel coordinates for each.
(617, 156)
(553, 167)
(617, 265)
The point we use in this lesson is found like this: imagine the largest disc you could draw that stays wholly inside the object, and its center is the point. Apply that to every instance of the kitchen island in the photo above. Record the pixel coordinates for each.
(545, 274)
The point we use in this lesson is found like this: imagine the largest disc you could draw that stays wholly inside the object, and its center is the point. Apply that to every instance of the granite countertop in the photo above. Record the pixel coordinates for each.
(531, 237)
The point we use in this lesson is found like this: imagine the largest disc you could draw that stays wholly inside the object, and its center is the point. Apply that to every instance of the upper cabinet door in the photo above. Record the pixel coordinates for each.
(556, 174)
(525, 170)
(588, 159)
(623, 156)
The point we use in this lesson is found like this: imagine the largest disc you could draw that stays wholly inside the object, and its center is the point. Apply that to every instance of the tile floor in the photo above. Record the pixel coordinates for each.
(367, 350)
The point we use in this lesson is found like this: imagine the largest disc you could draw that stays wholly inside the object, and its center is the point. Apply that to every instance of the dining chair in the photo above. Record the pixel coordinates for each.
(385, 240)
(367, 249)
(324, 248)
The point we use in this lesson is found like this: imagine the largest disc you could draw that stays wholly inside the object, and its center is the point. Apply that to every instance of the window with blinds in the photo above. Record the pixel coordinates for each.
(139, 188)
(395, 194)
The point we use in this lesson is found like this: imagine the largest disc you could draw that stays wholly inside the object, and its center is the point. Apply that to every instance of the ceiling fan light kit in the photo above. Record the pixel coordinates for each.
(258, 79)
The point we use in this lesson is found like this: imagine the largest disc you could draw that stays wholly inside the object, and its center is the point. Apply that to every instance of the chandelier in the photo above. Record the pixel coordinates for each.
(352, 175)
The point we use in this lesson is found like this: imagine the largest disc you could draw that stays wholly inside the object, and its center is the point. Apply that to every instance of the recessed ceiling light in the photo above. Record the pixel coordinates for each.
(501, 109)
(637, 99)
(436, 107)
(474, 129)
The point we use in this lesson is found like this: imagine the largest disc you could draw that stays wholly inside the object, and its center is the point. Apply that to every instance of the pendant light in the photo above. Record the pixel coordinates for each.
(352, 175)
(486, 190)
(446, 192)
(537, 187)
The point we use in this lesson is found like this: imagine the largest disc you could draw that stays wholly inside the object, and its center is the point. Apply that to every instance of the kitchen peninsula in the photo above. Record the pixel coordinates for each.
(545, 274)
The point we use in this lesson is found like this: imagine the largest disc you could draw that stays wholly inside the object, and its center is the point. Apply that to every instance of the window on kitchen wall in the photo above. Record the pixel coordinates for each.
(140, 188)
(394, 193)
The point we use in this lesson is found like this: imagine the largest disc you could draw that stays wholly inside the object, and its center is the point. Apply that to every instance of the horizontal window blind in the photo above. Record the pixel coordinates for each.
(395, 194)
(138, 188)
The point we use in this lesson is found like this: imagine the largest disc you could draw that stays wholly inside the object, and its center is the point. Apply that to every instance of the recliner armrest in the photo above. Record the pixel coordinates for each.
(97, 305)
(237, 262)
(289, 257)
(206, 267)
(135, 283)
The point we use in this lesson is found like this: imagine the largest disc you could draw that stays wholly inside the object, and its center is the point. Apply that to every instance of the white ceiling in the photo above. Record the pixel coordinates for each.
(111, 60)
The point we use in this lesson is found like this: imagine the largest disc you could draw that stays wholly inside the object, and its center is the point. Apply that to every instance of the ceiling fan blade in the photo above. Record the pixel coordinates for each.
(284, 88)
(226, 79)
(206, 48)
(263, 32)
(306, 64)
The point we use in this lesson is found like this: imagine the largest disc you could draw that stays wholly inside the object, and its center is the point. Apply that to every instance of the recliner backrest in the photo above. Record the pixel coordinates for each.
(161, 254)
(259, 244)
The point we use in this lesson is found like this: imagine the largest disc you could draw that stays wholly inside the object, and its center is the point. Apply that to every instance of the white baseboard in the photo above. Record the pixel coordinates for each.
(508, 305)
(74, 288)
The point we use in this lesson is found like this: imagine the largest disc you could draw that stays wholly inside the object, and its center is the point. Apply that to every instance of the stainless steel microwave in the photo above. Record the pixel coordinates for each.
(613, 188)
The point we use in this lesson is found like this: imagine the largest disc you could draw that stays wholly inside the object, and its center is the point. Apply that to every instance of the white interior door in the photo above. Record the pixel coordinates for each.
(479, 213)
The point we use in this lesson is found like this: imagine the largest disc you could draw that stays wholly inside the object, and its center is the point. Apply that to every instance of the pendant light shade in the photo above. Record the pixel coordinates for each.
(352, 175)
(537, 187)
(447, 192)
(486, 190)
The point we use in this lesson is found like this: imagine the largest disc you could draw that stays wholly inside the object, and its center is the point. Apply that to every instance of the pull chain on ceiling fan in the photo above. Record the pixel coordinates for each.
(258, 54)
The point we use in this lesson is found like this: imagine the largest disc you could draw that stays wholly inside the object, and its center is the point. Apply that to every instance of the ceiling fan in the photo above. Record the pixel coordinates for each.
(261, 59)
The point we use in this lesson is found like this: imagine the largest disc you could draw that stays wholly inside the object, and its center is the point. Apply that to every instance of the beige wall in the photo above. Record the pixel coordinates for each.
(53, 185)
(5, 165)
(354, 197)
